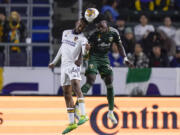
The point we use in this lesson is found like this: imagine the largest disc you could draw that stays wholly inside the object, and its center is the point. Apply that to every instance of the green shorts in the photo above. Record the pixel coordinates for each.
(99, 65)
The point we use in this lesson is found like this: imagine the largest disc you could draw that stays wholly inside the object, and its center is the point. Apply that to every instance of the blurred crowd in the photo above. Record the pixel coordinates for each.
(12, 30)
(146, 45)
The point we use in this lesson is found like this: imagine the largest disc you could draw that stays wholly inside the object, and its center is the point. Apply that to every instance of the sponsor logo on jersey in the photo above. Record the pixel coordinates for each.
(91, 66)
(110, 39)
(69, 42)
(104, 44)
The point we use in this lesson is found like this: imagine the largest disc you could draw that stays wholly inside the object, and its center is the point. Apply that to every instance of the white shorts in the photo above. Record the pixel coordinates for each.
(69, 73)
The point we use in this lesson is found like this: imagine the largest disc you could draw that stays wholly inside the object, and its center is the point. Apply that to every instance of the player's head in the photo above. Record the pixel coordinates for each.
(80, 25)
(101, 23)
(102, 26)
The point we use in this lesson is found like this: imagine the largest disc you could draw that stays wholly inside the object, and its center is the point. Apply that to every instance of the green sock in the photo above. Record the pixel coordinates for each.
(85, 88)
(110, 96)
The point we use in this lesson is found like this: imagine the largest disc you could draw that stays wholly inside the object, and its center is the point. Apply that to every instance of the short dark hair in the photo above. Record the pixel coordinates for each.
(100, 18)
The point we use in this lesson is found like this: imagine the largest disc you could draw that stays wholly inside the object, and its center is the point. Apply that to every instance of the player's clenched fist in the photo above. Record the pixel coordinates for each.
(88, 47)
(128, 63)
(51, 65)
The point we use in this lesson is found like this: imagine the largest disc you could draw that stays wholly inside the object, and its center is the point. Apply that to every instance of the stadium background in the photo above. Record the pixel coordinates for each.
(40, 108)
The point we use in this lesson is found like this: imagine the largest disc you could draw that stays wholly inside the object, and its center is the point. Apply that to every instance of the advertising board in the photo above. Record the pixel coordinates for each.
(47, 116)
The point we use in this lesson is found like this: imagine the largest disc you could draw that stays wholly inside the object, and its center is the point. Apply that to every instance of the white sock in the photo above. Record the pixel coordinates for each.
(71, 115)
(110, 111)
(82, 106)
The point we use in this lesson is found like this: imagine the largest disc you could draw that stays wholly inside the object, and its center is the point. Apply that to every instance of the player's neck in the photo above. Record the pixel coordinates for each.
(75, 31)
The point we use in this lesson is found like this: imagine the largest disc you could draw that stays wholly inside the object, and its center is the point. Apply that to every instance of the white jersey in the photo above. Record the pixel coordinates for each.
(72, 45)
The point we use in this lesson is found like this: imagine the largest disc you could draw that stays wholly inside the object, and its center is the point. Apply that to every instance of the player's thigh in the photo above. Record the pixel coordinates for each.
(67, 90)
(108, 79)
(75, 84)
(92, 67)
(65, 80)
(105, 69)
(90, 78)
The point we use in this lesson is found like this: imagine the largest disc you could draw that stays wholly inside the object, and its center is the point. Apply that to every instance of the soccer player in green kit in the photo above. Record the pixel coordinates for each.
(98, 62)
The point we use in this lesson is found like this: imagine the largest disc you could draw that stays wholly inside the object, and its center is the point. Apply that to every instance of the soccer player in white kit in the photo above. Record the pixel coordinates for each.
(74, 45)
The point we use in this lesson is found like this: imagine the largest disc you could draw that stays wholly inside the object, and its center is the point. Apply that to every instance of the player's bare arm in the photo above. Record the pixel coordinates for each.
(123, 54)
(79, 61)
(56, 59)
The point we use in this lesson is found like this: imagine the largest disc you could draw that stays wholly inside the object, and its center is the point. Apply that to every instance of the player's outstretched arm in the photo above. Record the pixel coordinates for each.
(51, 65)
(54, 62)
(123, 54)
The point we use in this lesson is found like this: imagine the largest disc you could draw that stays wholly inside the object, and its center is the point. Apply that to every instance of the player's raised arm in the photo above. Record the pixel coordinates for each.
(122, 50)
(56, 59)
(58, 55)
(123, 54)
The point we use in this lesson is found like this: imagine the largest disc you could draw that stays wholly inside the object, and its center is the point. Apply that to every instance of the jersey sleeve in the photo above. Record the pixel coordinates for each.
(117, 38)
(63, 36)
(58, 56)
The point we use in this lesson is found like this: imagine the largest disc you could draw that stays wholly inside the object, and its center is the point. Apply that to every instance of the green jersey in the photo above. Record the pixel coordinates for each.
(101, 42)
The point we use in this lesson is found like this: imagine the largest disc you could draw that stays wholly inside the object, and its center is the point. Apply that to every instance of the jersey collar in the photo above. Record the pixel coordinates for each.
(73, 32)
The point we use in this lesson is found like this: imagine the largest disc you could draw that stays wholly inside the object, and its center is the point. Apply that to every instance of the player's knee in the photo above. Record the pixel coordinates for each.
(67, 95)
(90, 81)
(75, 84)
(109, 86)
(108, 80)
